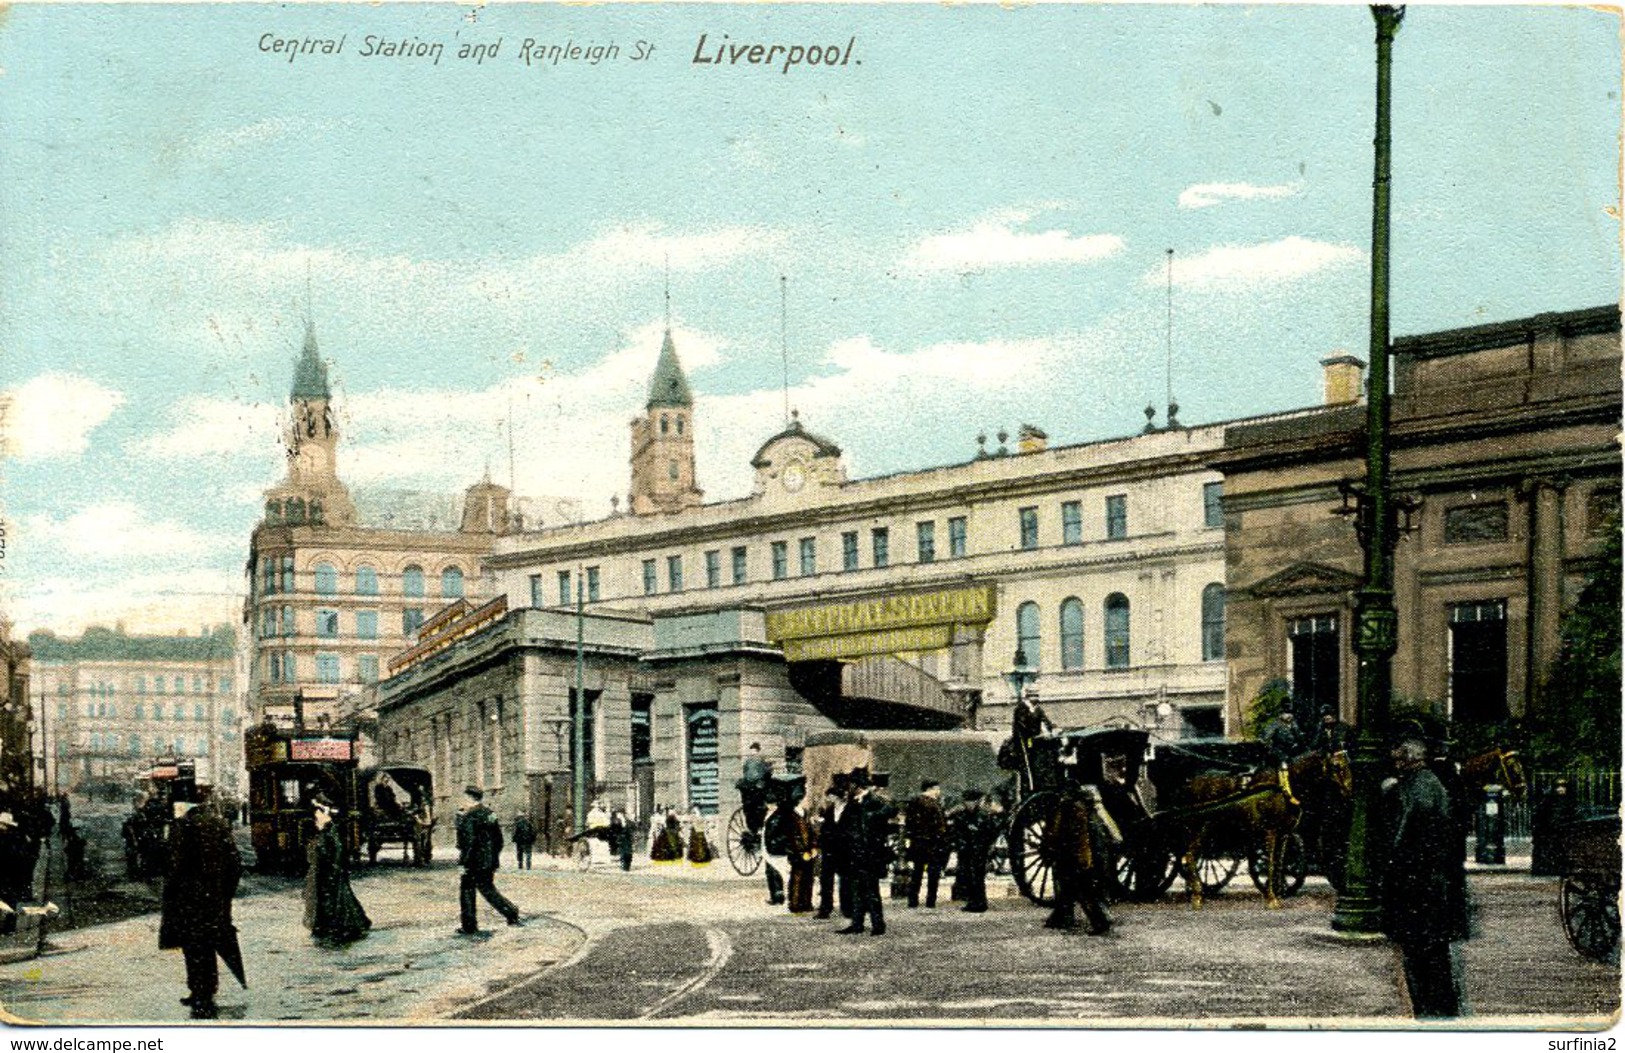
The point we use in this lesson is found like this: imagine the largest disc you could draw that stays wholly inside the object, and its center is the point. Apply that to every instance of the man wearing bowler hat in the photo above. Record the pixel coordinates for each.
(927, 831)
(867, 825)
(479, 850)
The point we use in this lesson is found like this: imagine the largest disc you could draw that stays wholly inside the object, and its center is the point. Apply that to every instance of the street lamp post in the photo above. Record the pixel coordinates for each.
(1376, 621)
(1021, 676)
(579, 760)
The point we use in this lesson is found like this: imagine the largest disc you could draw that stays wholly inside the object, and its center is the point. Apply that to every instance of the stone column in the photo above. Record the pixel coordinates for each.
(1545, 580)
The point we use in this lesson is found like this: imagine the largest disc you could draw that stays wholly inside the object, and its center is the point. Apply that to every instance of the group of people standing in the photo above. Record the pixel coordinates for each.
(26, 824)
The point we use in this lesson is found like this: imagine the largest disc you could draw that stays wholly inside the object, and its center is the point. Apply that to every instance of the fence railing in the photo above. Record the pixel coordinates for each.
(1587, 789)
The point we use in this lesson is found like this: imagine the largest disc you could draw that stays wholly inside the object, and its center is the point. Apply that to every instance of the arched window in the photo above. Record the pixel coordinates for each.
(1213, 623)
(1117, 638)
(665, 424)
(1071, 633)
(1027, 633)
(451, 583)
(412, 581)
(327, 580)
(679, 424)
(366, 581)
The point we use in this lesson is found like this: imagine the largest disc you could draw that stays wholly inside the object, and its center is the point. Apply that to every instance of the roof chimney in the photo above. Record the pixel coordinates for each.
(1031, 439)
(1345, 378)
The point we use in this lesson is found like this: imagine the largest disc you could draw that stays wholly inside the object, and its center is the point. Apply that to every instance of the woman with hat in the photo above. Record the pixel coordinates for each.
(332, 913)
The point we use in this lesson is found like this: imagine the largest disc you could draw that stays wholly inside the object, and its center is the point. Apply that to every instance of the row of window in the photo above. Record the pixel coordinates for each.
(110, 743)
(160, 686)
(1116, 517)
(364, 624)
(563, 581)
(110, 709)
(282, 667)
(1115, 637)
(276, 575)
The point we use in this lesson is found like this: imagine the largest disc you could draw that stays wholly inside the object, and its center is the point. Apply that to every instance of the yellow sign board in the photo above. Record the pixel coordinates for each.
(921, 621)
(857, 645)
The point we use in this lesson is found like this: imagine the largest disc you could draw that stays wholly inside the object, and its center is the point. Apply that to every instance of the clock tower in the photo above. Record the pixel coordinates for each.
(663, 441)
(312, 492)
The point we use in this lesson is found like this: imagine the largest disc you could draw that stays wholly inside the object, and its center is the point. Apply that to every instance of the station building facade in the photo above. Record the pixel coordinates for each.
(1506, 451)
(821, 601)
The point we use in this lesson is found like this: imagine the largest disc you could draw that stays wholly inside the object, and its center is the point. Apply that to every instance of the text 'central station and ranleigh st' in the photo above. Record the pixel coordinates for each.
(723, 52)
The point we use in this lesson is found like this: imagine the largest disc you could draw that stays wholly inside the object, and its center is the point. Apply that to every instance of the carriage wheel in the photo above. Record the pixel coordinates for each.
(744, 847)
(1215, 872)
(1142, 875)
(1032, 856)
(1591, 916)
(1294, 866)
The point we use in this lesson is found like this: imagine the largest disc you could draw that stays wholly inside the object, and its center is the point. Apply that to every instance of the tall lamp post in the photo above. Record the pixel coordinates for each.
(579, 760)
(1376, 621)
(1021, 676)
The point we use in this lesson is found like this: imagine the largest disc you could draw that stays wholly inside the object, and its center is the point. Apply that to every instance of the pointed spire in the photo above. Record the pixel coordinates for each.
(310, 374)
(669, 387)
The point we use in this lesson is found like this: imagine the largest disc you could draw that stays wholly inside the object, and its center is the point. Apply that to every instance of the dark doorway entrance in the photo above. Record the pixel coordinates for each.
(1316, 666)
(1478, 661)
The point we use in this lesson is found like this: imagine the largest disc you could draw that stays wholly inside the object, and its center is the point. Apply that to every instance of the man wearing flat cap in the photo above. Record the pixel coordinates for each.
(479, 850)
(927, 830)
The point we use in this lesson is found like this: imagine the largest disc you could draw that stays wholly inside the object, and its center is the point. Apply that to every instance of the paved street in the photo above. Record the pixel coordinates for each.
(700, 945)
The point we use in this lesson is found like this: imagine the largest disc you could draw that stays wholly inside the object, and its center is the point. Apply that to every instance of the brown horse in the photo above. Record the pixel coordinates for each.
(1230, 811)
(1498, 767)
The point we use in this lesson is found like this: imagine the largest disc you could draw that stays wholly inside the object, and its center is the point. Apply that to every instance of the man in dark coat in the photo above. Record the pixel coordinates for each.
(866, 825)
(14, 873)
(1283, 738)
(832, 852)
(524, 840)
(975, 831)
(479, 852)
(1424, 884)
(1028, 724)
(332, 913)
(204, 868)
(1333, 736)
(753, 788)
(927, 829)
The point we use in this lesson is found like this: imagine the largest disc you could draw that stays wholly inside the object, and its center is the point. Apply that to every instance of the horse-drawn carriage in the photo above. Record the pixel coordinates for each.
(397, 808)
(1197, 808)
(1590, 855)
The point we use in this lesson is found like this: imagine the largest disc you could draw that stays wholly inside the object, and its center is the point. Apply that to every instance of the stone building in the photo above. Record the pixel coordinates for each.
(821, 601)
(18, 718)
(1506, 450)
(114, 702)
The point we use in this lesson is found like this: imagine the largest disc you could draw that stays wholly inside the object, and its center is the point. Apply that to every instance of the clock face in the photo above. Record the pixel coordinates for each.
(795, 476)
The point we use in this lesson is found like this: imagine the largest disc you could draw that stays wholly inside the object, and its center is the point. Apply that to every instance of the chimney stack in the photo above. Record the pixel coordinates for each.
(1345, 379)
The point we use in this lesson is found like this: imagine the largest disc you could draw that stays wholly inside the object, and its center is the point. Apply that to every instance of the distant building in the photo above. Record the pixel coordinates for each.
(1506, 441)
(113, 702)
(19, 752)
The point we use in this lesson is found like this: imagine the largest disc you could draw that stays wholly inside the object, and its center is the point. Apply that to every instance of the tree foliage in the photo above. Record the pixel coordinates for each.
(1577, 721)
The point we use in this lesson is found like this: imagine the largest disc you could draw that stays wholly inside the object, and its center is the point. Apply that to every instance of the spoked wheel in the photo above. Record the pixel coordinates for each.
(1142, 875)
(1591, 916)
(582, 854)
(1032, 853)
(1215, 872)
(744, 847)
(1294, 866)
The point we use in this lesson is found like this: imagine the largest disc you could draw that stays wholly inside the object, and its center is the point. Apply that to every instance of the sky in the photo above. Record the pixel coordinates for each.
(972, 217)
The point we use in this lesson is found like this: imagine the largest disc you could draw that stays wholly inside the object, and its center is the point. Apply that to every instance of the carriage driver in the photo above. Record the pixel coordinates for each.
(1028, 724)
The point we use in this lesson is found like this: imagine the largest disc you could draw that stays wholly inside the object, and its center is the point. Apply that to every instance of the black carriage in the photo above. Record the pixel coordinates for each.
(397, 808)
(1147, 793)
(1590, 855)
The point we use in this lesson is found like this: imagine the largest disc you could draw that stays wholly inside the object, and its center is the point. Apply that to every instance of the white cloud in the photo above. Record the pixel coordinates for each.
(166, 602)
(1206, 195)
(995, 242)
(213, 427)
(117, 530)
(52, 416)
(1249, 266)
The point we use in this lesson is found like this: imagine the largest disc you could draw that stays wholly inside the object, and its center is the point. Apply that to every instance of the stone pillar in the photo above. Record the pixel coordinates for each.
(1545, 580)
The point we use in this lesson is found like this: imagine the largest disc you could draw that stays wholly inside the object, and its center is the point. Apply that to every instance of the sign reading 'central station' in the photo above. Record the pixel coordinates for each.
(920, 621)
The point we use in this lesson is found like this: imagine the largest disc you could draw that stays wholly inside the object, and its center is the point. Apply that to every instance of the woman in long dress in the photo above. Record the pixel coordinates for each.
(699, 845)
(332, 913)
(668, 841)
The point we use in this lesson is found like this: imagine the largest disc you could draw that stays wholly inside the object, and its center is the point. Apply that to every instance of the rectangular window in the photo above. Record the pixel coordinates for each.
(327, 624)
(1117, 516)
(267, 622)
(1213, 504)
(225, 685)
(592, 584)
(287, 622)
(849, 550)
(642, 729)
(327, 668)
(366, 625)
(704, 769)
(411, 618)
(267, 575)
(809, 557)
(650, 580)
(925, 541)
(287, 573)
(781, 560)
(739, 569)
(956, 537)
(565, 599)
(1029, 528)
(1472, 523)
(880, 542)
(713, 568)
(1316, 666)
(1071, 522)
(674, 573)
(1478, 661)
(536, 590)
